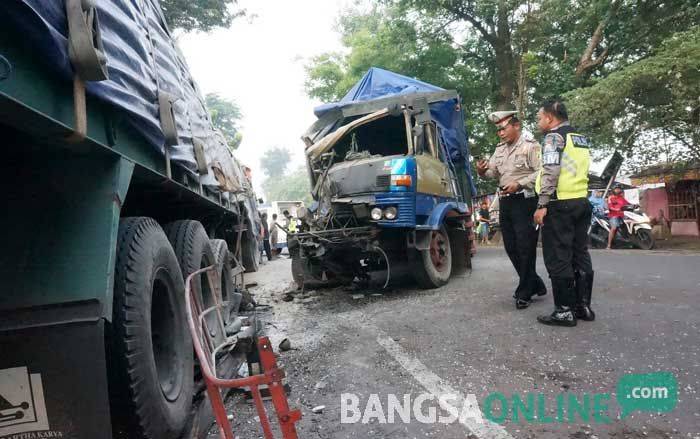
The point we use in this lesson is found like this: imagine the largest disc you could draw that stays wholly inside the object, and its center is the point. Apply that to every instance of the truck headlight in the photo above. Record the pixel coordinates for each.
(390, 213)
(376, 214)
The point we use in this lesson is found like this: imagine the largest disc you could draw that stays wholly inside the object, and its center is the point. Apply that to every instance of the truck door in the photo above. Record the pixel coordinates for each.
(432, 172)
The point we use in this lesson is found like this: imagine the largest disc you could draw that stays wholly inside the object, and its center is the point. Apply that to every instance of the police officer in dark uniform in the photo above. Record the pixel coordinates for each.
(565, 214)
(515, 164)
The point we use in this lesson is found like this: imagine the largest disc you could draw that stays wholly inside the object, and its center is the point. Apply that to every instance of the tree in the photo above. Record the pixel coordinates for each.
(274, 162)
(225, 115)
(648, 103)
(497, 53)
(292, 187)
(200, 15)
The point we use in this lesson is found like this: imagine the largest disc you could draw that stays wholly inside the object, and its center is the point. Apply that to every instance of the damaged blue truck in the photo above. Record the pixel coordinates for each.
(389, 168)
(115, 188)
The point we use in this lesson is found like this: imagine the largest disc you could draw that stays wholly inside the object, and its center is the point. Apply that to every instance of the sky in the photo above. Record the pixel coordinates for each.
(259, 63)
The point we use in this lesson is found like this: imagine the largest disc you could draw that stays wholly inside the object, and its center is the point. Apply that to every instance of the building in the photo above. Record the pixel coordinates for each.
(671, 193)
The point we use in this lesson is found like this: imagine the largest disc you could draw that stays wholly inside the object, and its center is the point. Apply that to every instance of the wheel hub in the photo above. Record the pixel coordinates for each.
(438, 251)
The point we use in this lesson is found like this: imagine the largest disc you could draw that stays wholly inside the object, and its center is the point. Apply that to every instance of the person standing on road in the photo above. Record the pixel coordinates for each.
(565, 214)
(515, 164)
(484, 222)
(266, 237)
(616, 202)
(274, 235)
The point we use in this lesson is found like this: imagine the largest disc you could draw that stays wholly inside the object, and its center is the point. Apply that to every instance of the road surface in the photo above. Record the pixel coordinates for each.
(467, 338)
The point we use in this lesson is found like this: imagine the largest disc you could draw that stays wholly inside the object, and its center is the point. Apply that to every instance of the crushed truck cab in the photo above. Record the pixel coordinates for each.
(388, 190)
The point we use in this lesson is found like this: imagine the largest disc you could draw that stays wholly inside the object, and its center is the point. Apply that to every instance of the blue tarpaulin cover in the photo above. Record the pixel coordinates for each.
(142, 59)
(379, 83)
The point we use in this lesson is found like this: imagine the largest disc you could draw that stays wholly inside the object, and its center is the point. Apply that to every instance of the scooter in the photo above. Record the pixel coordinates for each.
(635, 230)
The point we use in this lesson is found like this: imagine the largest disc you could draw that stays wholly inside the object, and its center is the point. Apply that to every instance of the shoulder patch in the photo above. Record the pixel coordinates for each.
(552, 148)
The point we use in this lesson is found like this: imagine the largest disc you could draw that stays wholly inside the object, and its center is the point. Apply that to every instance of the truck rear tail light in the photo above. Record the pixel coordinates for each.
(401, 180)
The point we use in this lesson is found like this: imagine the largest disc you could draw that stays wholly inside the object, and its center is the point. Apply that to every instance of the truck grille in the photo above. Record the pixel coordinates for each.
(383, 181)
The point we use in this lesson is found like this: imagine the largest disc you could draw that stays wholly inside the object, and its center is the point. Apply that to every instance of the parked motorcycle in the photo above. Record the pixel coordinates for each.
(635, 230)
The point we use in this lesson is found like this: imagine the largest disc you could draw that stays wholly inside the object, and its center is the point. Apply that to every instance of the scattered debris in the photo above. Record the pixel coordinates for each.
(318, 409)
(251, 285)
(358, 296)
(229, 417)
(285, 345)
(321, 385)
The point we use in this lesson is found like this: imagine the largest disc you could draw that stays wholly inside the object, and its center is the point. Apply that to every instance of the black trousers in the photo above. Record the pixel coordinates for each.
(565, 238)
(520, 241)
(268, 250)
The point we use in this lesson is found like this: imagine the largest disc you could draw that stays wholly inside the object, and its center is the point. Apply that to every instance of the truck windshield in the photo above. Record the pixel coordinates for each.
(382, 137)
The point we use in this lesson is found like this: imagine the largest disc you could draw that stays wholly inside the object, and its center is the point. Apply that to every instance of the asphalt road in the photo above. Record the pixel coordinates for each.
(467, 338)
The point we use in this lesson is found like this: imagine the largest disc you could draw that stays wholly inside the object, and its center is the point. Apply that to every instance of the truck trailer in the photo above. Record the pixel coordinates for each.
(117, 188)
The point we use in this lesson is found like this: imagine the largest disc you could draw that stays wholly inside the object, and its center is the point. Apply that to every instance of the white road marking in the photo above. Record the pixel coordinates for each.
(436, 387)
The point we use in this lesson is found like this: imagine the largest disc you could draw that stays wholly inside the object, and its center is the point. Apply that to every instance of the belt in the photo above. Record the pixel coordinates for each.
(521, 193)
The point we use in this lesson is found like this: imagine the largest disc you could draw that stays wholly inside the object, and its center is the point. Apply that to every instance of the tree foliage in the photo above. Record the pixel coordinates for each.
(648, 101)
(200, 15)
(290, 187)
(514, 54)
(274, 162)
(225, 115)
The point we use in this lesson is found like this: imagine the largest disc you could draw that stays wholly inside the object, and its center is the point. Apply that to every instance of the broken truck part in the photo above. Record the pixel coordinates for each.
(120, 190)
(391, 185)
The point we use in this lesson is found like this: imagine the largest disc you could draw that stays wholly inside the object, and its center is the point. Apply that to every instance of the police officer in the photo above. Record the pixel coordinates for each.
(565, 214)
(515, 164)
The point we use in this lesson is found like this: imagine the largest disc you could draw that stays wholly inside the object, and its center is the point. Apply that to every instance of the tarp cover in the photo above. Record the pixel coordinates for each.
(448, 115)
(142, 60)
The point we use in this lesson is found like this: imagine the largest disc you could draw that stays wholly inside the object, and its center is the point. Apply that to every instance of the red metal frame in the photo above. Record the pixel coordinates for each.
(206, 348)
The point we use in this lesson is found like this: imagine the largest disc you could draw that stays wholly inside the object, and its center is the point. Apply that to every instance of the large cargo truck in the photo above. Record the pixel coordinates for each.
(389, 168)
(116, 188)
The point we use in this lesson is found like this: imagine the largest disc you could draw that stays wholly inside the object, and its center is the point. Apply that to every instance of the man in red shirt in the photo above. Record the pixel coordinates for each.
(616, 202)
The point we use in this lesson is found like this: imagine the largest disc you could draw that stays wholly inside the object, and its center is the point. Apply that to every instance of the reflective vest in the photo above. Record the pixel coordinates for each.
(292, 227)
(575, 161)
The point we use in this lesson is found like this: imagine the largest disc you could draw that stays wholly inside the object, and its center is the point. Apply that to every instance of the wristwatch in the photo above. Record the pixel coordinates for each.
(541, 206)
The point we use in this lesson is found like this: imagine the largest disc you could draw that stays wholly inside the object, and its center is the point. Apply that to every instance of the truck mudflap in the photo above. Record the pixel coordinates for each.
(45, 389)
(206, 326)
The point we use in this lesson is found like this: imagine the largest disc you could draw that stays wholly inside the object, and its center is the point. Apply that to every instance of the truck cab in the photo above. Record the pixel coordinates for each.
(387, 193)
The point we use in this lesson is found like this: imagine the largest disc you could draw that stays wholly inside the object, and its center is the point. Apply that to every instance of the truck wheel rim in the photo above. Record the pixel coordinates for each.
(438, 250)
(163, 331)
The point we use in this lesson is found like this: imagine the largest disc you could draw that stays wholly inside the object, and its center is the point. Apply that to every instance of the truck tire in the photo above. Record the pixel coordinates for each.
(151, 365)
(223, 263)
(432, 267)
(250, 253)
(193, 251)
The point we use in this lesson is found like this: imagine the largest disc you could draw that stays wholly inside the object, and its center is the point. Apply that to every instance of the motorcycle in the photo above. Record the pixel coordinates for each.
(635, 230)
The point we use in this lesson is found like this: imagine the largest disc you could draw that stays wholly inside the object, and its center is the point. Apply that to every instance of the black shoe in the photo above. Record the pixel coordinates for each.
(584, 289)
(522, 303)
(560, 317)
(542, 292)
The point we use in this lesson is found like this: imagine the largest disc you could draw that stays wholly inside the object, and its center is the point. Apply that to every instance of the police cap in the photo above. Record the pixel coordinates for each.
(499, 116)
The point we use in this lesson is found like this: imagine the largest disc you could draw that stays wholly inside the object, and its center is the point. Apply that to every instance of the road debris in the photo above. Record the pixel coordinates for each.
(318, 409)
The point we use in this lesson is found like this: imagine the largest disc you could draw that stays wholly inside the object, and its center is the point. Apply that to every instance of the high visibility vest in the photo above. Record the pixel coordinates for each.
(575, 162)
(292, 227)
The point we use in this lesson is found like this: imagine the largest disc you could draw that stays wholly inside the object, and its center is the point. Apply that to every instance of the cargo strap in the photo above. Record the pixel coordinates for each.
(86, 54)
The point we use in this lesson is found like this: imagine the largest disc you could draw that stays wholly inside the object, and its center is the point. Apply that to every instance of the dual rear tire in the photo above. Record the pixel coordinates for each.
(152, 367)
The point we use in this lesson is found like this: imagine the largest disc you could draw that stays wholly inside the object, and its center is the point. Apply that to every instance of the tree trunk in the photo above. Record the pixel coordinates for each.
(504, 59)
(587, 64)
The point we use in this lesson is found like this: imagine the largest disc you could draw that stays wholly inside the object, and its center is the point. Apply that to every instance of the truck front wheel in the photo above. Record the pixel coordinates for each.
(433, 266)
(151, 364)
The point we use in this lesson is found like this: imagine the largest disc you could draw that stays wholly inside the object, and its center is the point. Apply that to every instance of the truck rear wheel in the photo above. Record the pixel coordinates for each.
(433, 266)
(193, 250)
(223, 262)
(250, 253)
(151, 365)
